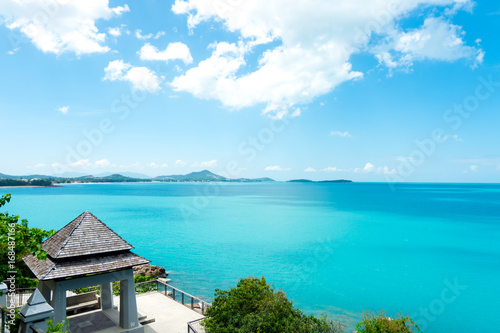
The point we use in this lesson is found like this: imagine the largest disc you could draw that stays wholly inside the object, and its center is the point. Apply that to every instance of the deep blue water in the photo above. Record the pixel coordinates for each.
(431, 250)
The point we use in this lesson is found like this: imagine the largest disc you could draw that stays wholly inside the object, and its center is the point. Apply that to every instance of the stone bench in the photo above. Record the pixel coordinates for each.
(88, 300)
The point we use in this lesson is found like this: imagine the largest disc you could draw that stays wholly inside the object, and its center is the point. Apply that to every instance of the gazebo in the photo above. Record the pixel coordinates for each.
(85, 253)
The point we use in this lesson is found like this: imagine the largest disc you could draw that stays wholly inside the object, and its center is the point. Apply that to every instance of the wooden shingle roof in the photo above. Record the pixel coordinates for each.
(85, 235)
(84, 246)
(51, 269)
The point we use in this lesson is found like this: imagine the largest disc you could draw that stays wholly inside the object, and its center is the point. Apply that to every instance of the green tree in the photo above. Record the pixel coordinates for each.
(57, 328)
(381, 323)
(16, 241)
(254, 306)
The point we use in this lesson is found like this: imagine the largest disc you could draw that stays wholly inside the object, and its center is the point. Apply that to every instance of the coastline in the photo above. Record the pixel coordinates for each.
(28, 186)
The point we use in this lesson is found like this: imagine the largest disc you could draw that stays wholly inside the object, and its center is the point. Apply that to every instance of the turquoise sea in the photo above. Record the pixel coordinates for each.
(431, 250)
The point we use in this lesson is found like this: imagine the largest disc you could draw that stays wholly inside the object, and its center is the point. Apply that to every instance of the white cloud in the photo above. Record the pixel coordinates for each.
(275, 168)
(141, 78)
(209, 163)
(341, 134)
(60, 26)
(296, 113)
(36, 166)
(448, 136)
(368, 167)
(172, 52)
(436, 39)
(405, 159)
(154, 165)
(314, 41)
(386, 170)
(102, 163)
(80, 163)
(140, 36)
(164, 165)
(309, 169)
(63, 109)
(180, 163)
(13, 51)
(473, 168)
(115, 32)
(331, 169)
(159, 34)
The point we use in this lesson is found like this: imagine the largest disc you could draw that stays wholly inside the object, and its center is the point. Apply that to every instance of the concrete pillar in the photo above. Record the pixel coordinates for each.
(45, 290)
(59, 303)
(128, 304)
(36, 311)
(106, 296)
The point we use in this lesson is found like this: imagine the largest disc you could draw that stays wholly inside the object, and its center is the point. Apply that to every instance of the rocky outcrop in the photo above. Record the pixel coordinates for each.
(150, 270)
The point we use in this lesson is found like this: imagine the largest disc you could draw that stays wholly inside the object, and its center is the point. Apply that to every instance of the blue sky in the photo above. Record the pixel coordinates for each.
(367, 90)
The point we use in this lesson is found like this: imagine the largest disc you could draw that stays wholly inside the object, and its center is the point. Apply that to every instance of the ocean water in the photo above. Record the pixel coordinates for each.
(429, 250)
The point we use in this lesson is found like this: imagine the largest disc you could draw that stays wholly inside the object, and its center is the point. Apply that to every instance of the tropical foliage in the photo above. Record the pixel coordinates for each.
(381, 323)
(255, 306)
(16, 241)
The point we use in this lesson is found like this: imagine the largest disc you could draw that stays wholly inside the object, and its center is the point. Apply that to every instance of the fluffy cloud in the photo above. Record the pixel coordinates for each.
(140, 36)
(331, 169)
(63, 109)
(80, 163)
(210, 163)
(437, 39)
(141, 78)
(275, 168)
(60, 26)
(180, 163)
(341, 134)
(314, 41)
(454, 137)
(172, 52)
(115, 32)
(369, 168)
(309, 169)
(102, 163)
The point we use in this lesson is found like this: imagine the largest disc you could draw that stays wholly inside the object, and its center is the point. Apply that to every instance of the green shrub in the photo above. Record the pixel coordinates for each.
(57, 328)
(254, 306)
(381, 323)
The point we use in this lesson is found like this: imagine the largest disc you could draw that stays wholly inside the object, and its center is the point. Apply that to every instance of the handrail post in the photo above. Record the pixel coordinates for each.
(3, 321)
(182, 298)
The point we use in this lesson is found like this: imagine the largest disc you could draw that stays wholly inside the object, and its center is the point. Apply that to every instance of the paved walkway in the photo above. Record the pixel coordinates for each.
(170, 316)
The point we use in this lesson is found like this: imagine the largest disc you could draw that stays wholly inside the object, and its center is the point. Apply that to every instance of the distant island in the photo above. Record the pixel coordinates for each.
(43, 180)
(320, 181)
(200, 176)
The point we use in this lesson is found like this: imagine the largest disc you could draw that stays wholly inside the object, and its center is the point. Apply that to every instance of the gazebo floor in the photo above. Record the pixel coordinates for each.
(90, 322)
(169, 315)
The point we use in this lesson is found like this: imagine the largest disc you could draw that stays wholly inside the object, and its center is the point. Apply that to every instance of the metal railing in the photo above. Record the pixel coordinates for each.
(195, 326)
(193, 302)
(188, 300)
(21, 296)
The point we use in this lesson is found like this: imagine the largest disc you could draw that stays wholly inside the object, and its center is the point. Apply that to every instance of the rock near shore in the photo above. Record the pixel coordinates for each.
(150, 270)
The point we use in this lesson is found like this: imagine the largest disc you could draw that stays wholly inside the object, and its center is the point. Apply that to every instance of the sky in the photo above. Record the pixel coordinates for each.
(368, 90)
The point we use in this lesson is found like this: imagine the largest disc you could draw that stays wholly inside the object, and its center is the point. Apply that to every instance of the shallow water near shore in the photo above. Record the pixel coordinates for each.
(430, 250)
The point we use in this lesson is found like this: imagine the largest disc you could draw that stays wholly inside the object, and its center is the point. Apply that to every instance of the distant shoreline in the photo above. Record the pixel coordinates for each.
(27, 186)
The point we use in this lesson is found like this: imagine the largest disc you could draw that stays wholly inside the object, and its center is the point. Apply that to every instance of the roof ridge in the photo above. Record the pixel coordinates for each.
(48, 271)
(72, 231)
